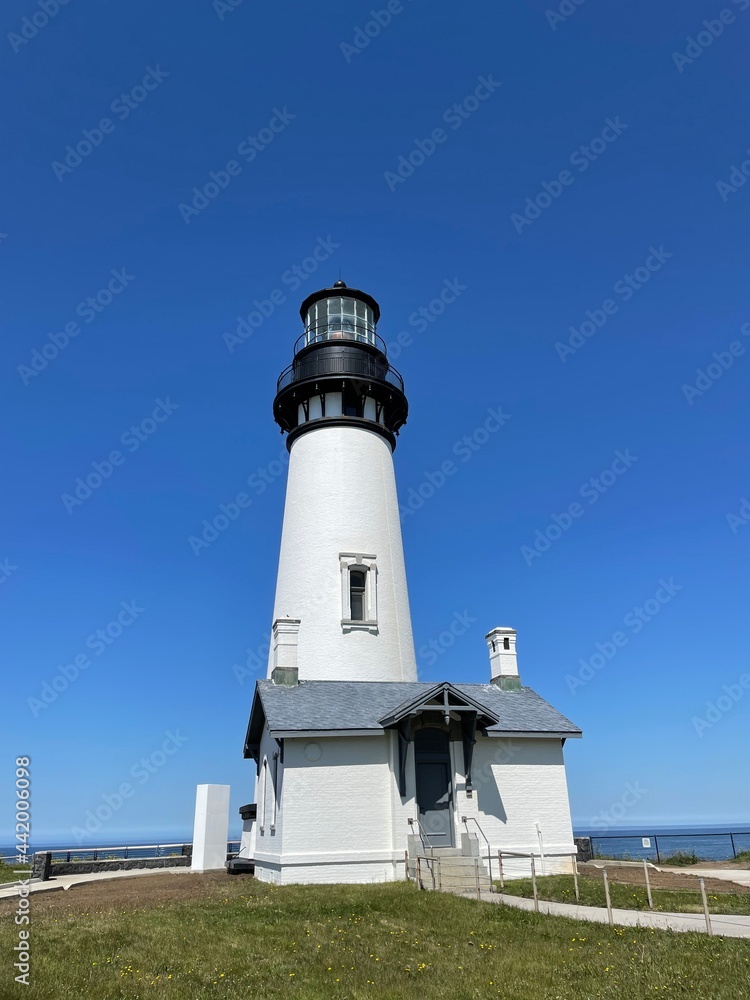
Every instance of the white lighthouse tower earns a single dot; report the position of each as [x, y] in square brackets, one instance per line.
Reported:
[342, 608]
[359, 767]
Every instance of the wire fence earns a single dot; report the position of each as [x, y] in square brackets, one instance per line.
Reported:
[661, 848]
[130, 852]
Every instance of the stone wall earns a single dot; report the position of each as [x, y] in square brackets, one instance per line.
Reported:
[121, 864]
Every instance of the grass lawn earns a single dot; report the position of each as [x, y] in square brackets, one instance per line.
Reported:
[9, 874]
[217, 936]
[559, 889]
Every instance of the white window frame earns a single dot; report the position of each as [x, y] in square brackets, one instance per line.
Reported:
[364, 563]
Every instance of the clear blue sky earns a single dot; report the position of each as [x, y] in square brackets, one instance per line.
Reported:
[198, 82]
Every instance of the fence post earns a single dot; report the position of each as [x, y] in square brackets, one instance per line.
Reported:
[436, 861]
[476, 876]
[709, 931]
[734, 849]
[648, 885]
[606, 895]
[533, 884]
[406, 865]
[500, 866]
[575, 879]
[658, 856]
[419, 873]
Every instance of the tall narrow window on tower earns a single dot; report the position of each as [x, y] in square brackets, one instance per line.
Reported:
[359, 607]
[357, 594]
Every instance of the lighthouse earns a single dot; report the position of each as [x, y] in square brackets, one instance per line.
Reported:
[360, 768]
[342, 607]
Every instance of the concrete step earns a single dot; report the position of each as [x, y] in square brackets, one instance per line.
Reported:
[460, 862]
[460, 885]
[436, 852]
[446, 863]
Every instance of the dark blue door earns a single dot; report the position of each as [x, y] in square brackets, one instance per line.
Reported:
[434, 791]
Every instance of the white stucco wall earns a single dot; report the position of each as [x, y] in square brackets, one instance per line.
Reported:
[341, 498]
[518, 783]
[335, 820]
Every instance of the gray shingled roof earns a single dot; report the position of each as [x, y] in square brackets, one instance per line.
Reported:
[356, 705]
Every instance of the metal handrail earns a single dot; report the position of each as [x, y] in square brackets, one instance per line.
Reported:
[465, 821]
[422, 833]
[358, 333]
[365, 367]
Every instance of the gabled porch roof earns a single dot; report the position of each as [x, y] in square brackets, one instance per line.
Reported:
[444, 698]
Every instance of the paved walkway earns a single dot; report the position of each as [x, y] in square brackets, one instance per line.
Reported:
[727, 926]
[67, 881]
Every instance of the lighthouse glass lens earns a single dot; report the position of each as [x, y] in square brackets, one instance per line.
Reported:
[339, 318]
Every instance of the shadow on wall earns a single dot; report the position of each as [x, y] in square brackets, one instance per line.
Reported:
[489, 800]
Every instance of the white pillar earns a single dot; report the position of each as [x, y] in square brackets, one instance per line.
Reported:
[211, 829]
[342, 511]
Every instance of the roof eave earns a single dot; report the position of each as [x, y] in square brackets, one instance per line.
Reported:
[255, 723]
[558, 734]
[280, 734]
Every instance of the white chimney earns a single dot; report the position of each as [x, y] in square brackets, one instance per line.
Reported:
[501, 643]
[284, 651]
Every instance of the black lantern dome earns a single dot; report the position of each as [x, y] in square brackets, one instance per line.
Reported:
[340, 374]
